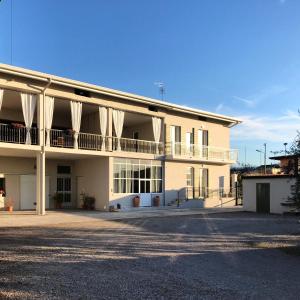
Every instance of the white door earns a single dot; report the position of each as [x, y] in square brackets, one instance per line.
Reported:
[172, 139]
[145, 192]
[64, 189]
[146, 199]
[28, 191]
[200, 143]
[188, 140]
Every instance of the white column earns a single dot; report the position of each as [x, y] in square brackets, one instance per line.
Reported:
[40, 183]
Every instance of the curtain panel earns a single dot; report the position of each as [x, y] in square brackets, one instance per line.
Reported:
[49, 108]
[76, 110]
[28, 107]
[103, 125]
[1, 97]
[118, 118]
[156, 124]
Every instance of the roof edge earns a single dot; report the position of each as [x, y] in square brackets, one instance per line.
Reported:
[18, 71]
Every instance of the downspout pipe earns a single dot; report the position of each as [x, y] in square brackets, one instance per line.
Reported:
[44, 94]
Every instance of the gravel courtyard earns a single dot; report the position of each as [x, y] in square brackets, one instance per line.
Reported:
[216, 256]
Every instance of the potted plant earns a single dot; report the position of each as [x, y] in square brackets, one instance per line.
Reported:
[9, 205]
[58, 200]
[136, 201]
[156, 201]
[89, 203]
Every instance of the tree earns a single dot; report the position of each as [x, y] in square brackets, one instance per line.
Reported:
[295, 188]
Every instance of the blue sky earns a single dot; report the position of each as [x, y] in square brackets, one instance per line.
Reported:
[240, 58]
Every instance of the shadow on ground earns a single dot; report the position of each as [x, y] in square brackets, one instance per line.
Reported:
[202, 256]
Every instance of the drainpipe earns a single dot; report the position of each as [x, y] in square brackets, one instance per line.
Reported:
[44, 94]
[41, 197]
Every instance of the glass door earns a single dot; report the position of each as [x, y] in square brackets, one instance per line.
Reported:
[64, 190]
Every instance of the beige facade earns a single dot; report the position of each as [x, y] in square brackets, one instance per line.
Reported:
[148, 168]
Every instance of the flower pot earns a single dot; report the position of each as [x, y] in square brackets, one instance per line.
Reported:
[156, 201]
[58, 205]
[136, 201]
[9, 208]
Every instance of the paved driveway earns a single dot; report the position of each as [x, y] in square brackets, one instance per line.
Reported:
[218, 256]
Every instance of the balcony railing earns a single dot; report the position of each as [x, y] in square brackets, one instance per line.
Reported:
[16, 133]
[89, 141]
[205, 192]
[142, 146]
[208, 153]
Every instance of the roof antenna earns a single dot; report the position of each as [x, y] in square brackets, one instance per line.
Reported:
[161, 89]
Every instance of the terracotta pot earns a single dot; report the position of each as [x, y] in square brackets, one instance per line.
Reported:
[136, 201]
[156, 201]
[9, 208]
[58, 205]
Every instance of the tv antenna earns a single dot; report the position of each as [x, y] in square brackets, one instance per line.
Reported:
[161, 89]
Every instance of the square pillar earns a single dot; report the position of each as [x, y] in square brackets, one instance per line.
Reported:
[40, 183]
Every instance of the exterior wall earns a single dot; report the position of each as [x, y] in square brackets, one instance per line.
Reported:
[51, 171]
[94, 174]
[14, 167]
[125, 199]
[218, 134]
[175, 179]
[94, 178]
[280, 189]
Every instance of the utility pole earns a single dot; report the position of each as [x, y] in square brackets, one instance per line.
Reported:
[285, 144]
[265, 157]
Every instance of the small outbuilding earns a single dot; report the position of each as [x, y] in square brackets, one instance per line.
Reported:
[267, 193]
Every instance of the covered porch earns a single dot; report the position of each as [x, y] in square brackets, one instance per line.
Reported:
[92, 127]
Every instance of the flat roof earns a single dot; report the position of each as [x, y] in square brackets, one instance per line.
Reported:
[22, 72]
[284, 156]
[261, 176]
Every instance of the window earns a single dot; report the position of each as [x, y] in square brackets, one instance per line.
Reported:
[190, 177]
[63, 170]
[137, 176]
[204, 183]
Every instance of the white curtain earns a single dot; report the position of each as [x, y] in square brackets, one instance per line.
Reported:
[118, 118]
[76, 109]
[103, 124]
[49, 108]
[1, 98]
[156, 124]
[28, 107]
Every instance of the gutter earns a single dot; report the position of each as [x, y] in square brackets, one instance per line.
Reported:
[109, 92]
[44, 94]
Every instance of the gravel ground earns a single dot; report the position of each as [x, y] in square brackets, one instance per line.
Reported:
[217, 256]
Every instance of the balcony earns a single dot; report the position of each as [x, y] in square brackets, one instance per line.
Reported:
[16, 133]
[201, 153]
[96, 142]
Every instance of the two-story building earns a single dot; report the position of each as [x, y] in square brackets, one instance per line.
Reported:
[60, 136]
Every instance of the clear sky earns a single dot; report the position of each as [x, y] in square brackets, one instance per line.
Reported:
[235, 57]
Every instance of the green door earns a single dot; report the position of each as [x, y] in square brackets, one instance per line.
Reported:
[263, 197]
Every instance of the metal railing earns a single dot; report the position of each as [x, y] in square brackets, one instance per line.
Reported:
[89, 141]
[209, 153]
[16, 133]
[61, 138]
[204, 192]
[133, 145]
